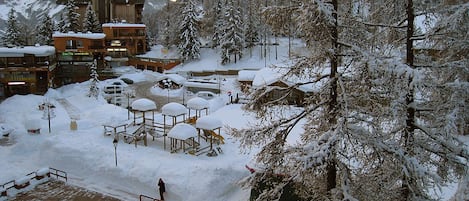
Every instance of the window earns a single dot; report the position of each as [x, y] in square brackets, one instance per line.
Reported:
[79, 43]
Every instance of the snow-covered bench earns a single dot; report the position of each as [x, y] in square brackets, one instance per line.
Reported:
[22, 182]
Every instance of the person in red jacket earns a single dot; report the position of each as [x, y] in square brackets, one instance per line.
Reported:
[161, 188]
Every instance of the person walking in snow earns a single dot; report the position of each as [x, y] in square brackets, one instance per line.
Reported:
[162, 188]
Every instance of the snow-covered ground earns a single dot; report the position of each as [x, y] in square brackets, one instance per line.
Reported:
[88, 156]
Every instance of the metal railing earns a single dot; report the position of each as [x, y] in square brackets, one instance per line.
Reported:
[33, 175]
[145, 197]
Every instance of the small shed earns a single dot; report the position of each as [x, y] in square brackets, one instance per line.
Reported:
[198, 105]
[209, 125]
[182, 136]
[245, 78]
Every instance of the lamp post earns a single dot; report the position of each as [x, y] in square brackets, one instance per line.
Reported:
[167, 85]
[129, 93]
[115, 141]
[48, 111]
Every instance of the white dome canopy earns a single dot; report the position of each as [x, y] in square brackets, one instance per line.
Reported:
[208, 123]
[198, 103]
[143, 105]
[173, 109]
[183, 131]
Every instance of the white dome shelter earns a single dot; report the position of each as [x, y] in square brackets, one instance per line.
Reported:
[177, 112]
[181, 135]
[198, 104]
[143, 105]
[140, 108]
[208, 125]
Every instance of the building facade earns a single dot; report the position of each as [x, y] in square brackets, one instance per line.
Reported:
[124, 40]
[75, 53]
[26, 70]
[107, 11]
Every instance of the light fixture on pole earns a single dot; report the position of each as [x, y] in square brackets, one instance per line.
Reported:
[115, 141]
[129, 93]
[49, 113]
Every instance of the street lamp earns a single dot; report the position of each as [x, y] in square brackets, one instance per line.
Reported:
[129, 93]
[115, 141]
[167, 84]
[48, 111]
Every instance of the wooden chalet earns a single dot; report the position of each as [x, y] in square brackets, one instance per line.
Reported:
[76, 53]
[112, 10]
[26, 70]
[124, 40]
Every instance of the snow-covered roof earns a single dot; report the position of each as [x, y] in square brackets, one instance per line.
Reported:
[183, 131]
[20, 51]
[160, 52]
[198, 103]
[208, 123]
[201, 85]
[174, 77]
[143, 105]
[79, 35]
[265, 77]
[246, 75]
[123, 25]
[173, 109]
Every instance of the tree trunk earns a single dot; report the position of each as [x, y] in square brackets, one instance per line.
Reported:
[410, 127]
[331, 167]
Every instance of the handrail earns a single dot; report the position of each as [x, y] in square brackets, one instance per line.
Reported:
[58, 173]
[148, 197]
[32, 175]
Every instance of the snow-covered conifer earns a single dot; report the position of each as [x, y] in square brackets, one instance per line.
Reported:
[73, 17]
[12, 34]
[232, 40]
[189, 43]
[45, 30]
[91, 22]
[218, 24]
[94, 89]
[60, 26]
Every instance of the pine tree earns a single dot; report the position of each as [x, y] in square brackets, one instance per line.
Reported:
[12, 34]
[252, 32]
[73, 17]
[91, 22]
[94, 89]
[60, 26]
[189, 44]
[219, 22]
[232, 41]
[45, 30]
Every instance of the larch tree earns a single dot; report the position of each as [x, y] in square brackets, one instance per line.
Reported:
[12, 34]
[72, 16]
[94, 89]
[189, 43]
[45, 30]
[369, 129]
[91, 22]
